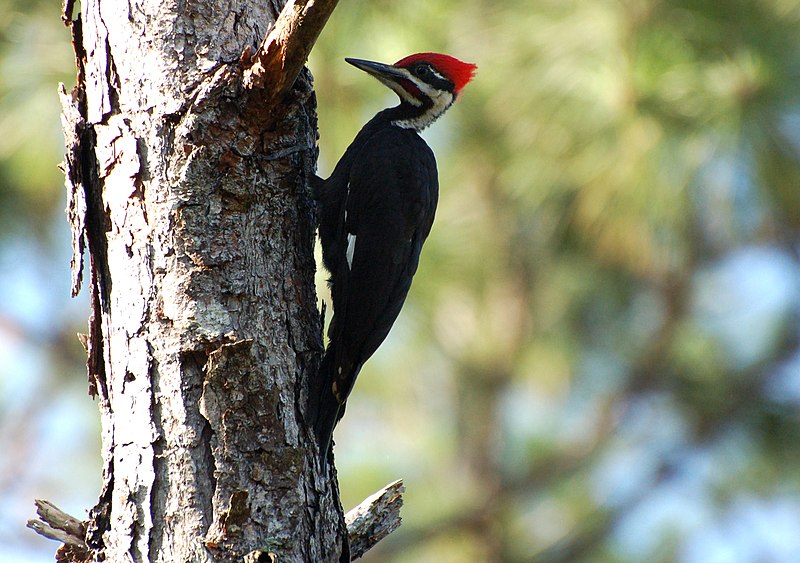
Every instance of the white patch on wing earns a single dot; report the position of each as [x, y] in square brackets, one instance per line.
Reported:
[351, 248]
[346, 196]
[441, 101]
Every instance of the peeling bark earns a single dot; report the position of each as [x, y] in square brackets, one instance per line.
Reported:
[375, 518]
[285, 49]
[190, 193]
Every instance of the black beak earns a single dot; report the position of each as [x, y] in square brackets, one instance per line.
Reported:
[378, 70]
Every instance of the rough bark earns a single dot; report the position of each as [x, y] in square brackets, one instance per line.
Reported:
[189, 191]
[375, 518]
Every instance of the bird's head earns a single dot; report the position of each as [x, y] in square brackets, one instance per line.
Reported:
[427, 83]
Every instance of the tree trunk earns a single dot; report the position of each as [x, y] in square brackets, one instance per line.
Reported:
[190, 191]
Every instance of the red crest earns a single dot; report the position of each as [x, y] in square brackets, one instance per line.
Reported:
[458, 72]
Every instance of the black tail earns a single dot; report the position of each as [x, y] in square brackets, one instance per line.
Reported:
[325, 411]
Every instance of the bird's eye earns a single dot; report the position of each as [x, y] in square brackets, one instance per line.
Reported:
[422, 70]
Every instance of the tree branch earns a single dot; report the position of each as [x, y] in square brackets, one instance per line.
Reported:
[285, 49]
[375, 518]
[367, 524]
[55, 524]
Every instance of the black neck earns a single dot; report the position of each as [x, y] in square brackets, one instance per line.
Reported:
[404, 111]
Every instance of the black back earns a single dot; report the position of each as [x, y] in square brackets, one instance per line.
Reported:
[384, 191]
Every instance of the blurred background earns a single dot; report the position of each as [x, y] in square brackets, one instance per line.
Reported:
[600, 357]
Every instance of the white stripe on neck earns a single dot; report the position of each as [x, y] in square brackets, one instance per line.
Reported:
[441, 101]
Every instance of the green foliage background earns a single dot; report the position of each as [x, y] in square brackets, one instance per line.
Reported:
[600, 357]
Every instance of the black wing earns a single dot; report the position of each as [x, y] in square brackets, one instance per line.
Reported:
[386, 215]
[390, 209]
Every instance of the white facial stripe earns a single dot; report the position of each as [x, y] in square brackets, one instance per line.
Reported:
[441, 101]
[402, 92]
[436, 74]
[351, 248]
[429, 90]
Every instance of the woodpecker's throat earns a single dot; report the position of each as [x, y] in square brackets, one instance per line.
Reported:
[429, 111]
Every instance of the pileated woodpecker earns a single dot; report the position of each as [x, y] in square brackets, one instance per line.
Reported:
[376, 210]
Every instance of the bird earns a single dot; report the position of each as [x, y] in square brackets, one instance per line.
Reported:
[375, 211]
